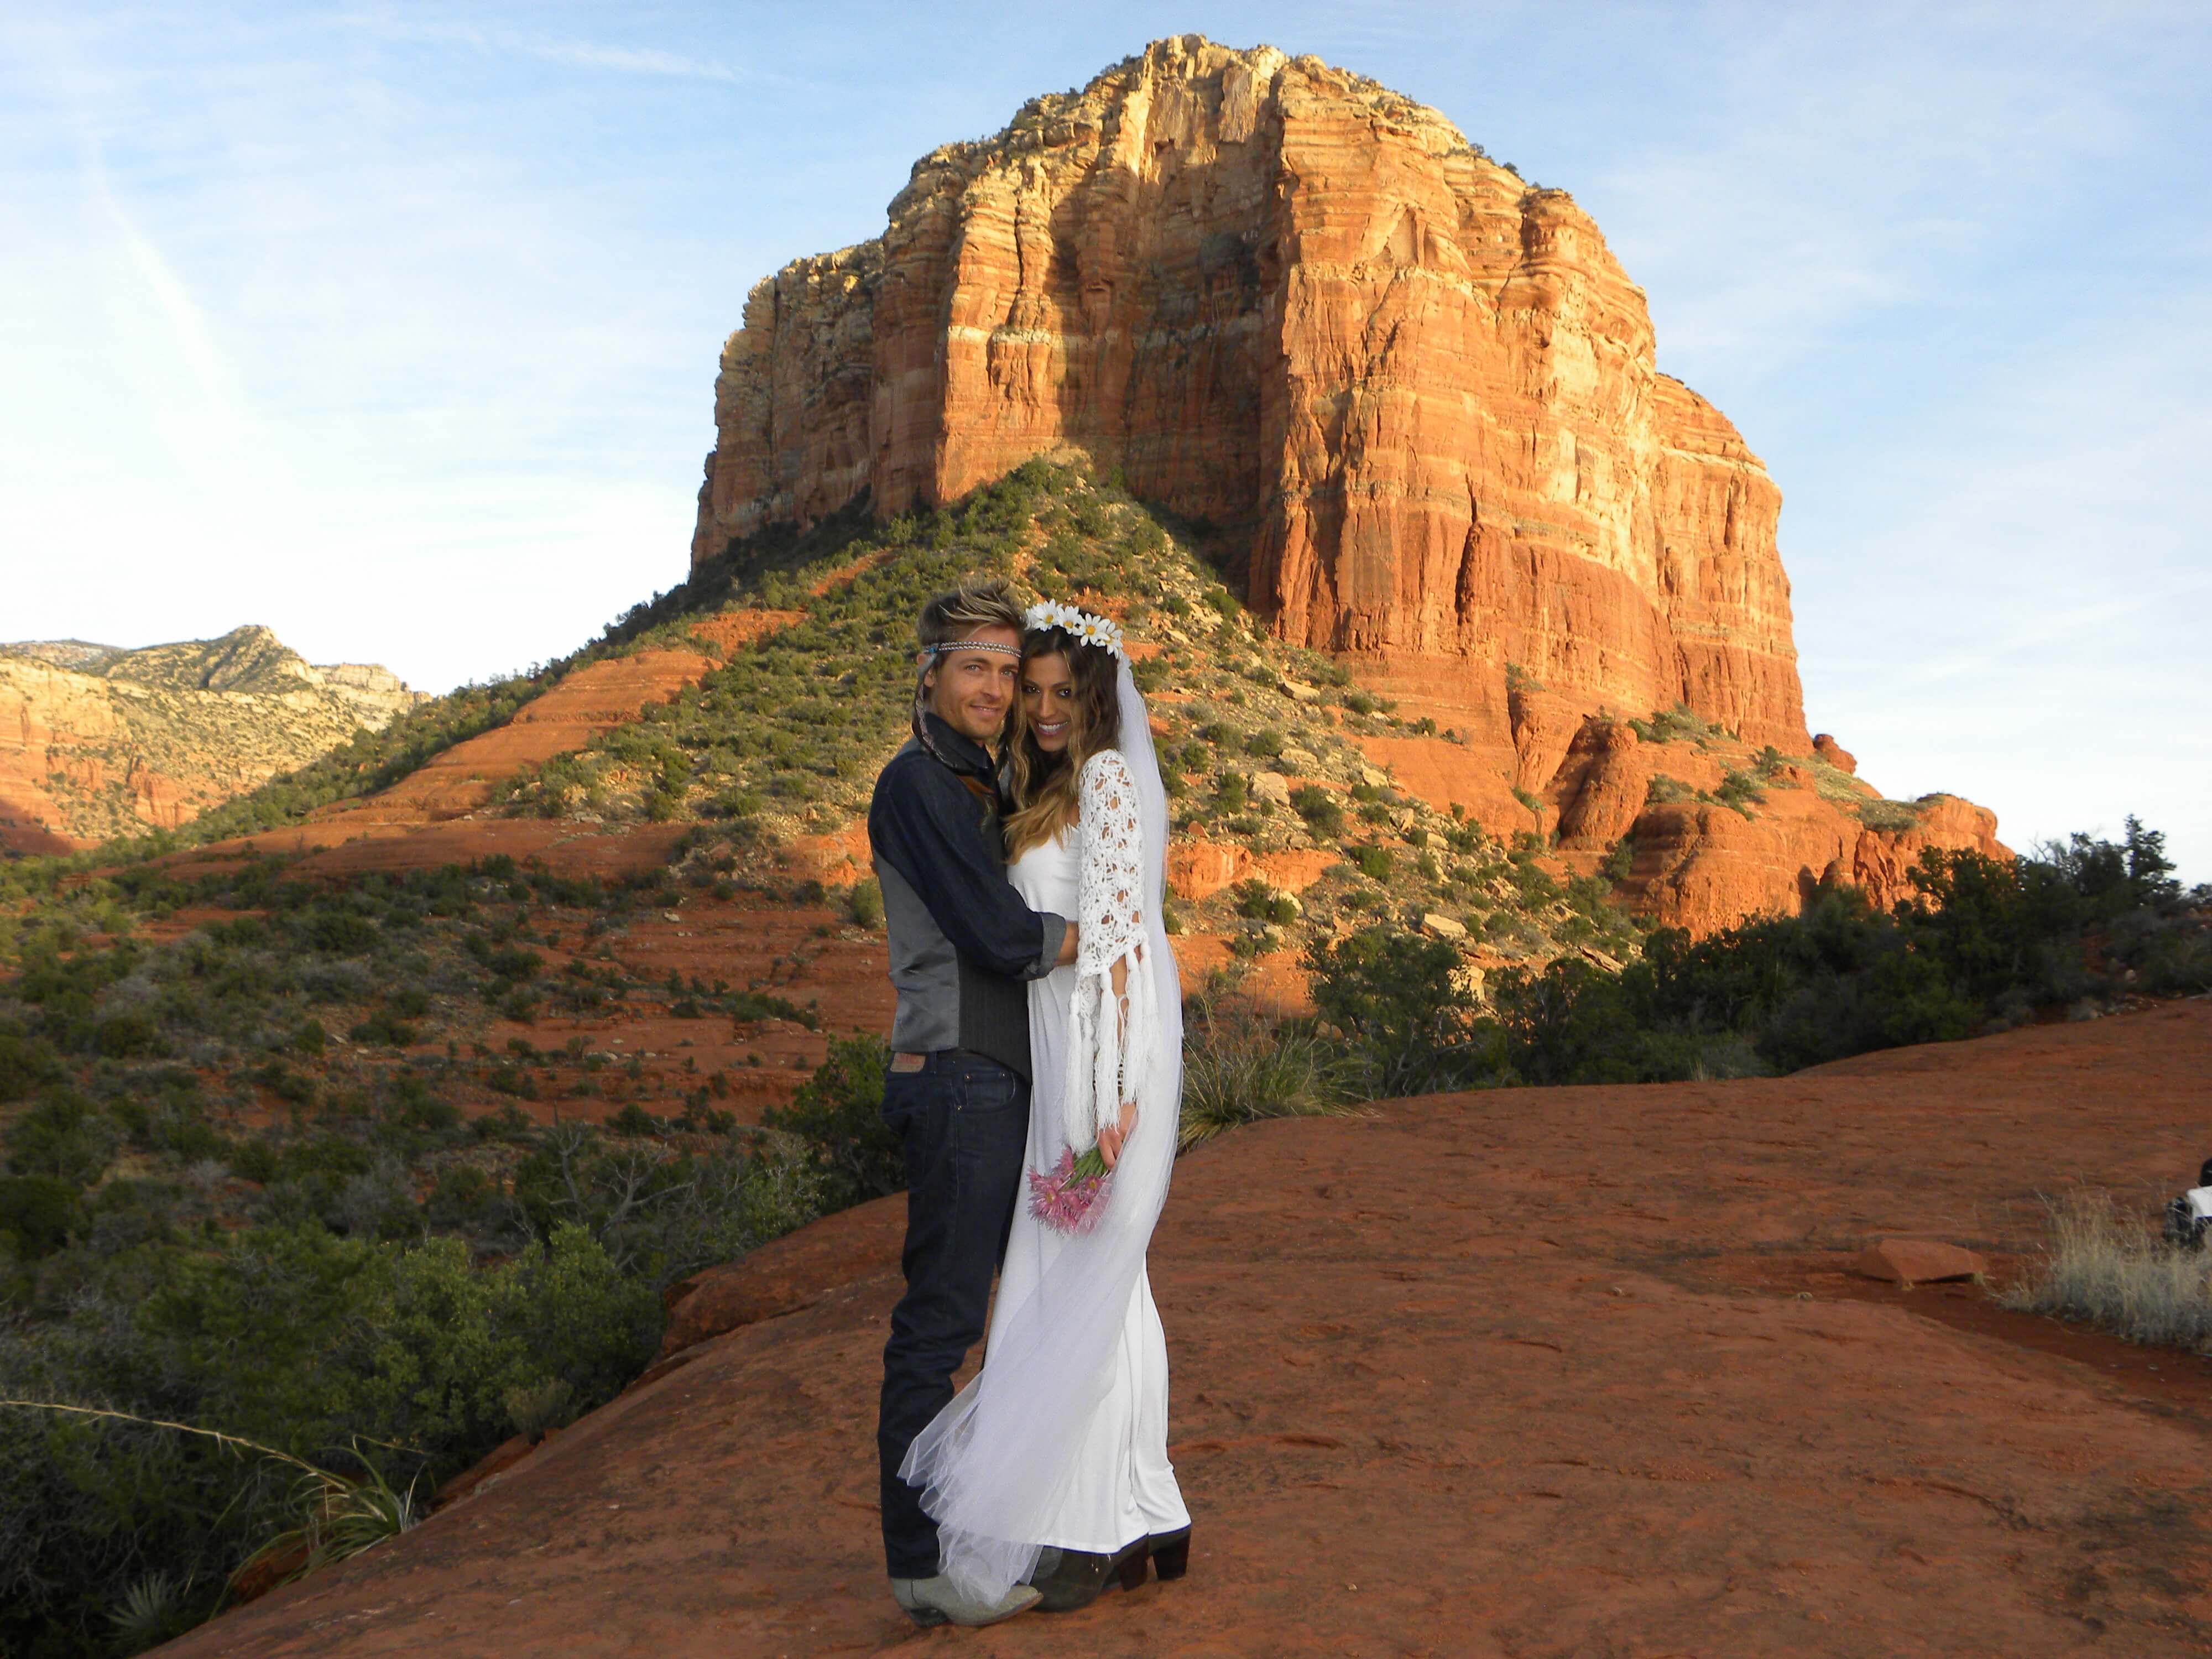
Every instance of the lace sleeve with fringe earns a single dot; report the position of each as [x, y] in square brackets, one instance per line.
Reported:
[1114, 1037]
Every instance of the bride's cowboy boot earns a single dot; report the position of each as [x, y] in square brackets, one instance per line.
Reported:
[1068, 1579]
[935, 1601]
[1170, 1552]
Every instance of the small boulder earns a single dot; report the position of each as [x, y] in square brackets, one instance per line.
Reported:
[1917, 1261]
[1443, 926]
[1834, 753]
[1272, 787]
[794, 1272]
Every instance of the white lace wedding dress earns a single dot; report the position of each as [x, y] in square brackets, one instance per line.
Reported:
[1061, 1438]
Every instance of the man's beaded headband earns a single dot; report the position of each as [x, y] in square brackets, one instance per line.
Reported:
[971, 645]
[1088, 629]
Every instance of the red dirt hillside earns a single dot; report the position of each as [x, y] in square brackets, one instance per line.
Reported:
[1575, 1371]
[427, 819]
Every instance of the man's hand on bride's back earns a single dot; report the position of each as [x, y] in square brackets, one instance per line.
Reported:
[1113, 1136]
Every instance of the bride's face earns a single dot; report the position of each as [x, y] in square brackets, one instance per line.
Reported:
[1048, 701]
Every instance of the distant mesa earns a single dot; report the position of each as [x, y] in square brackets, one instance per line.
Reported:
[101, 740]
[1415, 394]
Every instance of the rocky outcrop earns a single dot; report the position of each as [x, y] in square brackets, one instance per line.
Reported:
[97, 741]
[1279, 296]
[1419, 396]
[1704, 865]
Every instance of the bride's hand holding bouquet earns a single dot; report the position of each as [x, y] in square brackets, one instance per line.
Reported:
[1071, 1197]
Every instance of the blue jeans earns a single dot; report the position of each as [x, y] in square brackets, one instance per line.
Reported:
[965, 1123]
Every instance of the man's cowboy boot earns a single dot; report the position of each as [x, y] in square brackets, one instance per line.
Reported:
[1069, 1579]
[935, 1601]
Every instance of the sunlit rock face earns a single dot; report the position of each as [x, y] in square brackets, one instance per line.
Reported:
[1418, 394]
[1281, 297]
[96, 741]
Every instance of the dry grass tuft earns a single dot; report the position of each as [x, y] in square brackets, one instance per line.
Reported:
[2107, 1266]
[1240, 1069]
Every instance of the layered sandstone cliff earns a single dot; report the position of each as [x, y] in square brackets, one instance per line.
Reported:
[1281, 297]
[1419, 395]
[96, 741]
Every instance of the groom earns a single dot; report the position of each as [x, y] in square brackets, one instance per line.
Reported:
[957, 1092]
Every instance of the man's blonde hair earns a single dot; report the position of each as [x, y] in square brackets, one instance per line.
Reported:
[979, 603]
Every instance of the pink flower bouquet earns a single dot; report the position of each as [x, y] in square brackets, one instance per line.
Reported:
[1071, 1196]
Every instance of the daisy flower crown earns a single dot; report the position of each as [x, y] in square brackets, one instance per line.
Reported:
[1088, 629]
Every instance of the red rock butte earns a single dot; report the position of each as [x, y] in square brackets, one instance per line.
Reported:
[1282, 298]
[1418, 397]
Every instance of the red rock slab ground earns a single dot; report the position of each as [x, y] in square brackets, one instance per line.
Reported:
[1472, 1375]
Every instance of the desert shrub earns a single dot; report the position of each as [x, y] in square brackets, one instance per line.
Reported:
[65, 1135]
[1620, 861]
[386, 1027]
[837, 1114]
[1840, 979]
[534, 1408]
[658, 1213]
[2107, 1266]
[1373, 860]
[1675, 725]
[1320, 807]
[255, 1160]
[1258, 901]
[1982, 943]
[1264, 745]
[37, 1214]
[292, 1338]
[1409, 1020]
[26, 1063]
[1891, 815]
[746, 1006]
[1740, 790]
[865, 903]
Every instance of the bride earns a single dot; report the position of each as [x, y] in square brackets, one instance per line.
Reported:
[1051, 1466]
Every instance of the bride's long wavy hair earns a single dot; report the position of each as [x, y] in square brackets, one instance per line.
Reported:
[1041, 786]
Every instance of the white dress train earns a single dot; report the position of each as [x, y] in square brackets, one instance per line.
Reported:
[1061, 1437]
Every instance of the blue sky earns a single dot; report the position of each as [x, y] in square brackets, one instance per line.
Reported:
[394, 327]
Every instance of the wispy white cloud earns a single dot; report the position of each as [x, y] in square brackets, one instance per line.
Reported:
[395, 27]
[188, 388]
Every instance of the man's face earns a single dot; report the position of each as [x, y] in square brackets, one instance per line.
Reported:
[971, 690]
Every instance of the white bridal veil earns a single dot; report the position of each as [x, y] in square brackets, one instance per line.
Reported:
[996, 1464]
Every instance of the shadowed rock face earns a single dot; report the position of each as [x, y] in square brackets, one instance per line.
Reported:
[1279, 296]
